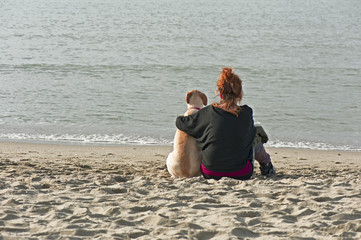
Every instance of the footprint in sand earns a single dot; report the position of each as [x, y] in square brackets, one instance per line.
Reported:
[205, 234]
[243, 233]
[157, 220]
[188, 225]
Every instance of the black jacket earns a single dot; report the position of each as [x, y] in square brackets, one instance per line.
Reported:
[225, 139]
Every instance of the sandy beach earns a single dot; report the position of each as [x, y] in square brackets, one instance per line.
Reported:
[116, 192]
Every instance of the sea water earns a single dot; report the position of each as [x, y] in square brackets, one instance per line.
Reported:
[117, 71]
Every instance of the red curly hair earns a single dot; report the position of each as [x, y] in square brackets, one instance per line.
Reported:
[230, 89]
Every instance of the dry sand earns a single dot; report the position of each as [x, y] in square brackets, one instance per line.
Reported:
[85, 192]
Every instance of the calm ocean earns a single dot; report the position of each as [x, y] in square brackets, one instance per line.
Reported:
[117, 71]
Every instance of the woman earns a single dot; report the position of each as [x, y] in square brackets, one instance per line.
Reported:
[225, 132]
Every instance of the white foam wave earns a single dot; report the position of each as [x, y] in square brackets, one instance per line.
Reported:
[118, 139]
[312, 146]
[121, 139]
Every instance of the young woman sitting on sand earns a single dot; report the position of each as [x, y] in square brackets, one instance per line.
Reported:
[225, 132]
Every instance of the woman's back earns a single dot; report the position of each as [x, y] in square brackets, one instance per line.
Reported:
[225, 139]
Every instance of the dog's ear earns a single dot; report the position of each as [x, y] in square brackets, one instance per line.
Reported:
[204, 99]
[189, 95]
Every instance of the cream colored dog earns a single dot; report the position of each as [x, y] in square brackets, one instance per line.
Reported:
[185, 160]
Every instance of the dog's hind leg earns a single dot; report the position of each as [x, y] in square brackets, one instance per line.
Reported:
[170, 164]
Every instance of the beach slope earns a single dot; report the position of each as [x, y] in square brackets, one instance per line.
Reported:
[100, 192]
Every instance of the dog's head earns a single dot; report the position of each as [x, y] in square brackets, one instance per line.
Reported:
[196, 98]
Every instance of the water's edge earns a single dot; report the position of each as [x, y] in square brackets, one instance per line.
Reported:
[166, 142]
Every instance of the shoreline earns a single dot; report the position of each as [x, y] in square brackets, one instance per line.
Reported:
[125, 192]
[101, 144]
[149, 141]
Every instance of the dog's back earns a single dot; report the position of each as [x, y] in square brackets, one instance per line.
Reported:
[186, 157]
